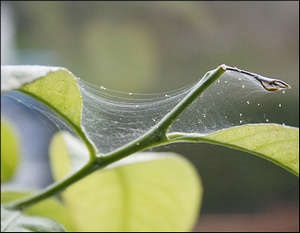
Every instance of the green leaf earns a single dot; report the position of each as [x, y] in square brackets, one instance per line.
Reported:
[14, 221]
[9, 151]
[55, 86]
[71, 153]
[49, 208]
[146, 192]
[276, 143]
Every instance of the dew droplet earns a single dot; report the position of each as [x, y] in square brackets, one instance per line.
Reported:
[240, 79]
[241, 121]
[102, 87]
[166, 95]
[154, 119]
[136, 106]
[241, 114]
[279, 105]
[283, 91]
[225, 81]
[243, 86]
[248, 102]
[130, 93]
[226, 117]
[267, 120]
[204, 115]
[258, 104]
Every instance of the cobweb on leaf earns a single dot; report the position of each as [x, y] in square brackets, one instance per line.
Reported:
[112, 119]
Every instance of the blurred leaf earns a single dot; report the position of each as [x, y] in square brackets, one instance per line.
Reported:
[49, 208]
[9, 151]
[14, 221]
[55, 86]
[161, 193]
[71, 153]
[276, 143]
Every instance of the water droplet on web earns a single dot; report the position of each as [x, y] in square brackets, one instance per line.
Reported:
[267, 120]
[102, 87]
[283, 91]
[136, 106]
[130, 93]
[240, 79]
[279, 105]
[166, 95]
[204, 115]
[153, 119]
[225, 81]
[241, 114]
[258, 104]
[241, 121]
[225, 117]
[243, 86]
[248, 102]
[218, 81]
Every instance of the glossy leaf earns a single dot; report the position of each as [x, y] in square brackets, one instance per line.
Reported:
[277, 143]
[15, 221]
[49, 208]
[9, 151]
[161, 192]
[55, 86]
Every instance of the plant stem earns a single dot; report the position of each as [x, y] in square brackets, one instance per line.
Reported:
[209, 78]
[52, 189]
[154, 137]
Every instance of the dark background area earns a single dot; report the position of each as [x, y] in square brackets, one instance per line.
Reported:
[155, 47]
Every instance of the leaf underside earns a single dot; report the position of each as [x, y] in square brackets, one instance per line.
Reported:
[276, 143]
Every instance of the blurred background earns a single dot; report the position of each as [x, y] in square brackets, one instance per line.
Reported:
[155, 47]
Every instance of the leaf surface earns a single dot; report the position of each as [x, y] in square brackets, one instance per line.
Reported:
[276, 143]
[9, 151]
[147, 192]
[55, 86]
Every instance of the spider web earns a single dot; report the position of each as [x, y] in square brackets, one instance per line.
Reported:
[112, 119]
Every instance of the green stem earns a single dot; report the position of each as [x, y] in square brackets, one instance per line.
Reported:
[154, 137]
[209, 78]
[52, 189]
